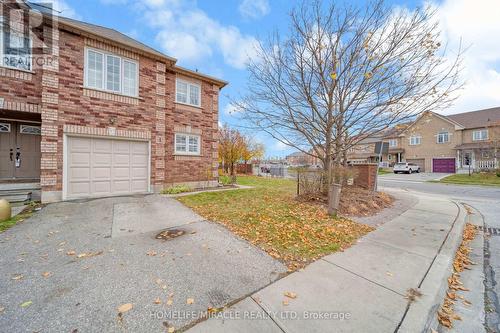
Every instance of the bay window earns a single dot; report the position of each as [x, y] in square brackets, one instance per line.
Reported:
[112, 73]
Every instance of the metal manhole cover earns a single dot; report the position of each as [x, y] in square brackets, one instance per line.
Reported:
[170, 234]
[491, 231]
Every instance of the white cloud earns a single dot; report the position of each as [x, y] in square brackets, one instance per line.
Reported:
[189, 34]
[476, 24]
[280, 146]
[254, 9]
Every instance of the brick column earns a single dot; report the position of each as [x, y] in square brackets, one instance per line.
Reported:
[51, 143]
[215, 136]
[158, 145]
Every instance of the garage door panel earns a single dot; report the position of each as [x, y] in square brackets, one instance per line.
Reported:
[80, 159]
[140, 148]
[81, 144]
[101, 187]
[104, 167]
[79, 188]
[121, 159]
[121, 173]
[138, 185]
[102, 146]
[79, 174]
[443, 165]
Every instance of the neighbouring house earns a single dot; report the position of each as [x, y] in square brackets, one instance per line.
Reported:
[86, 111]
[299, 159]
[364, 151]
[439, 143]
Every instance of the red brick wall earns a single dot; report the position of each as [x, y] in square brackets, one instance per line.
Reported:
[366, 175]
[155, 114]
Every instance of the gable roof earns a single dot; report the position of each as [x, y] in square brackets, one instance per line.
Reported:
[477, 119]
[111, 34]
[108, 34]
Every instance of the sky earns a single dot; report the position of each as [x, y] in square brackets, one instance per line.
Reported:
[217, 37]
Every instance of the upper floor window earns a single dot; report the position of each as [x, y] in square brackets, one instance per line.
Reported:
[393, 143]
[187, 93]
[480, 135]
[187, 144]
[15, 48]
[109, 72]
[415, 140]
[443, 137]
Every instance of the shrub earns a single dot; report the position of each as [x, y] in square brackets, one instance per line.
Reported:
[176, 189]
[497, 172]
[225, 180]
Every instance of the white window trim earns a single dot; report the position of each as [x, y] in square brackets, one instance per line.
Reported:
[6, 126]
[189, 84]
[187, 152]
[480, 131]
[448, 134]
[415, 137]
[2, 51]
[104, 76]
[25, 127]
[395, 141]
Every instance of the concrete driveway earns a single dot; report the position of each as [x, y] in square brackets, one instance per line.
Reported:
[117, 260]
[414, 177]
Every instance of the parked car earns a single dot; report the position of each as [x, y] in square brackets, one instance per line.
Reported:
[404, 167]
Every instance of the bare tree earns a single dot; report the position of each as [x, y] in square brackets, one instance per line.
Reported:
[342, 74]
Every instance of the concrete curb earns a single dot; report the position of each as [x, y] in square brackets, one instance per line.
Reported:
[236, 187]
[421, 315]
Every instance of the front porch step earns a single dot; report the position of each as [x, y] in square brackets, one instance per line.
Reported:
[14, 196]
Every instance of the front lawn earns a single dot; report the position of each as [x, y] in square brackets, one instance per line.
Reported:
[474, 179]
[384, 171]
[268, 216]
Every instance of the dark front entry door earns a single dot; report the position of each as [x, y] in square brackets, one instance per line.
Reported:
[19, 151]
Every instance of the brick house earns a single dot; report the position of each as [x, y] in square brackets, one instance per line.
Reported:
[440, 143]
[99, 114]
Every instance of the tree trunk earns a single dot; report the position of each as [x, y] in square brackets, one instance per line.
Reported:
[334, 199]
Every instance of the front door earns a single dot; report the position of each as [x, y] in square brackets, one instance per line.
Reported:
[19, 151]
[467, 159]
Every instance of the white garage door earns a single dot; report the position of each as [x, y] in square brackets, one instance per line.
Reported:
[103, 167]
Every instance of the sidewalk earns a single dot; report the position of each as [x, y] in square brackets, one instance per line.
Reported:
[363, 288]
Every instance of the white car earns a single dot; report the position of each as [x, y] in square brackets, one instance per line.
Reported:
[404, 167]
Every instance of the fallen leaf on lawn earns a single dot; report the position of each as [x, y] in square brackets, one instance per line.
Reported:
[26, 304]
[18, 277]
[290, 294]
[62, 243]
[190, 301]
[285, 302]
[159, 281]
[151, 253]
[71, 253]
[125, 307]
[164, 287]
[85, 267]
[46, 274]
[389, 273]
[2, 309]
[171, 329]
[466, 302]
[170, 301]
[157, 301]
[60, 250]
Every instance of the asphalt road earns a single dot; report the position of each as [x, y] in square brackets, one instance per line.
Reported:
[486, 200]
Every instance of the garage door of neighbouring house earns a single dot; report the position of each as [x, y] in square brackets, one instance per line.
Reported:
[418, 161]
[99, 167]
[445, 165]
